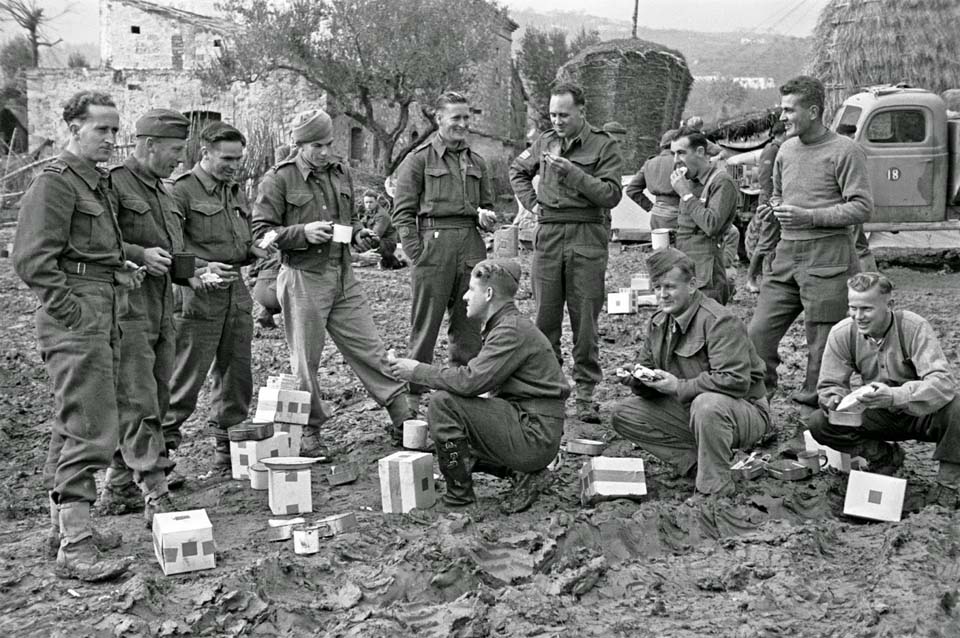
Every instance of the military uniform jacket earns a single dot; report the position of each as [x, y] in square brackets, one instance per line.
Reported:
[148, 218]
[292, 195]
[706, 347]
[702, 223]
[435, 181]
[582, 196]
[67, 217]
[216, 218]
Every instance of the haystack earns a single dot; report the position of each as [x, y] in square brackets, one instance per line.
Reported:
[640, 84]
[859, 43]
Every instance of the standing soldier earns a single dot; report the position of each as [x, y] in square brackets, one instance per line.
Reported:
[443, 191]
[708, 205]
[152, 233]
[820, 194]
[301, 199]
[580, 168]
[68, 250]
[214, 321]
[654, 176]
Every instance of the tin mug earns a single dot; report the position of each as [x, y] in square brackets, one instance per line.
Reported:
[184, 265]
[810, 459]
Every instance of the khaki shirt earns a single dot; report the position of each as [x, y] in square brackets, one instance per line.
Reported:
[586, 192]
[516, 363]
[291, 195]
[216, 218]
[706, 347]
[918, 389]
[148, 214]
[68, 213]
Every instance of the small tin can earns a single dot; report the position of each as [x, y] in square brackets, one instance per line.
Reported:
[259, 476]
[787, 470]
[306, 540]
[810, 459]
[250, 431]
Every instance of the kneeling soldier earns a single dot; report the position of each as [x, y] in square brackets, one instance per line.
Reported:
[708, 396]
[519, 427]
[914, 393]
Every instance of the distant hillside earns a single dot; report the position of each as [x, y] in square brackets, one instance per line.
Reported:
[728, 54]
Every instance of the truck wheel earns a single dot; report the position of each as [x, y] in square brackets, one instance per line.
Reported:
[752, 236]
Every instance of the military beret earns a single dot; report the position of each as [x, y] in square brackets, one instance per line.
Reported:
[162, 123]
[313, 126]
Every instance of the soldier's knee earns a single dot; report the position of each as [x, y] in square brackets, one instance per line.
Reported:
[710, 405]
[816, 422]
[441, 403]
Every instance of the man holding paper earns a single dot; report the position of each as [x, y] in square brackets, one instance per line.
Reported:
[307, 202]
[698, 383]
[444, 192]
[908, 393]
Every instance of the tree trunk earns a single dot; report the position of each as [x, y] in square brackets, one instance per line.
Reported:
[636, 12]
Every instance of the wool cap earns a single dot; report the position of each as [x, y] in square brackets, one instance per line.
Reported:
[504, 274]
[615, 128]
[162, 123]
[662, 261]
[313, 126]
[668, 137]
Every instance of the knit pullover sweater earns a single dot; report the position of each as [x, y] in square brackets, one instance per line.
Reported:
[828, 178]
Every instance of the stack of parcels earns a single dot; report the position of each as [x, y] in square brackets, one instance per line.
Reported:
[251, 442]
[285, 406]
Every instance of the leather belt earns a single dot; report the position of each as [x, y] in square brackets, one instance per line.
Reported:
[88, 270]
[453, 221]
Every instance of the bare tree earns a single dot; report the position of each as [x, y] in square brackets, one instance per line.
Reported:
[34, 19]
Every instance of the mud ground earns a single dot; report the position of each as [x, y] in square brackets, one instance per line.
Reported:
[778, 560]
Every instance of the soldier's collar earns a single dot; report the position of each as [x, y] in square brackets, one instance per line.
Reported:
[506, 309]
[584, 127]
[305, 169]
[135, 167]
[86, 169]
[684, 318]
[209, 182]
[441, 147]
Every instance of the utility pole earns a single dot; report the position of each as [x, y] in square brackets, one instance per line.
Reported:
[636, 11]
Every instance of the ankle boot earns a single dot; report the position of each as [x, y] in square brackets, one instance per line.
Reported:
[118, 497]
[103, 541]
[456, 465]
[400, 409]
[78, 556]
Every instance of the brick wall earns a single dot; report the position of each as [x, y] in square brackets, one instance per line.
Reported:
[153, 47]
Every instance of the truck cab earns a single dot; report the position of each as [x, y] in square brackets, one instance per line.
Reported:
[911, 149]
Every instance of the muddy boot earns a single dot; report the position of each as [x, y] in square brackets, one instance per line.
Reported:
[401, 409]
[117, 496]
[526, 491]
[456, 465]
[103, 541]
[587, 411]
[78, 556]
[311, 446]
[221, 455]
[159, 502]
[882, 457]
[946, 491]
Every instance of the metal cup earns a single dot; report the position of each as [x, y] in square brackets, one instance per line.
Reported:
[184, 265]
[810, 459]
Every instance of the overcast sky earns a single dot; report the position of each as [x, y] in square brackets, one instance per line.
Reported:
[790, 17]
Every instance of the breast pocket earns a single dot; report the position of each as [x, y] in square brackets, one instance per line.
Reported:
[135, 223]
[296, 209]
[692, 356]
[436, 184]
[92, 230]
[586, 163]
[208, 223]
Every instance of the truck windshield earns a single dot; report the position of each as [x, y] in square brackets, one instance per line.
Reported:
[845, 121]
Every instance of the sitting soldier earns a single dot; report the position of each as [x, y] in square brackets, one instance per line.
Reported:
[913, 393]
[704, 396]
[519, 427]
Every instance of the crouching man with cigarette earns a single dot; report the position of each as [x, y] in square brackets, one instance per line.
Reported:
[517, 430]
[703, 395]
[911, 395]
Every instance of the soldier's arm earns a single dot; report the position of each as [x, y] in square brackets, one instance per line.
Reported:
[648, 361]
[487, 192]
[854, 185]
[268, 215]
[603, 187]
[381, 223]
[765, 173]
[836, 367]
[776, 179]
[43, 230]
[715, 215]
[500, 356]
[728, 352]
[522, 171]
[635, 190]
[406, 203]
[936, 387]
[355, 219]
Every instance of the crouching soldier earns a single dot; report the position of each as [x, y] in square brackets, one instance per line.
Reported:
[706, 396]
[913, 392]
[519, 427]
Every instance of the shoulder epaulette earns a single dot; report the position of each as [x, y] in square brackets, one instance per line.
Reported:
[184, 176]
[56, 166]
[279, 165]
[425, 144]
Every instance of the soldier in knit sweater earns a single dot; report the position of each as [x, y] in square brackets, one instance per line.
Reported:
[820, 195]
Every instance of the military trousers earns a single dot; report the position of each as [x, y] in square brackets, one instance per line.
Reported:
[701, 434]
[265, 291]
[568, 269]
[148, 348]
[214, 334]
[83, 363]
[439, 279]
[331, 302]
[523, 436]
[941, 427]
[808, 276]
